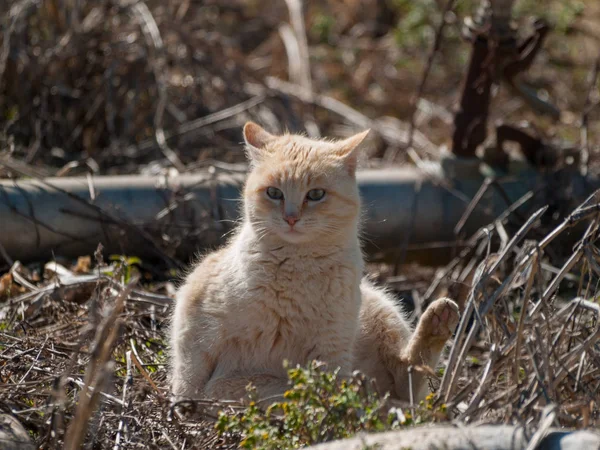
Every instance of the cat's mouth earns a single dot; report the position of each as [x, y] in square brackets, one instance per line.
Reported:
[293, 235]
[292, 228]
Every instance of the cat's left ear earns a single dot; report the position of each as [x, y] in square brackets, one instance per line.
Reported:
[256, 139]
[349, 149]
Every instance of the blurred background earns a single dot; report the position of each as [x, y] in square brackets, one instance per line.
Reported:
[96, 85]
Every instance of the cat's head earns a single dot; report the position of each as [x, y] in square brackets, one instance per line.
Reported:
[301, 190]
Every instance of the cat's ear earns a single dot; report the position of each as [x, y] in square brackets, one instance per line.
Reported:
[349, 149]
[256, 139]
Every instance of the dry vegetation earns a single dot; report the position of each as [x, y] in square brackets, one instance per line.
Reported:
[134, 87]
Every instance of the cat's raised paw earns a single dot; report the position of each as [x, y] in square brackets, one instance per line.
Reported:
[440, 319]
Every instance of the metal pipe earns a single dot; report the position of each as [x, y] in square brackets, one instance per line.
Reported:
[177, 216]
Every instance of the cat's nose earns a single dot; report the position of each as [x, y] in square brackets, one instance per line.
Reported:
[291, 220]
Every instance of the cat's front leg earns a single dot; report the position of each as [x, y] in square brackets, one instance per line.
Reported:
[193, 351]
[190, 375]
[335, 354]
[191, 368]
[269, 388]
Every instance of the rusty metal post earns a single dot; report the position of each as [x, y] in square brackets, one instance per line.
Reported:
[496, 56]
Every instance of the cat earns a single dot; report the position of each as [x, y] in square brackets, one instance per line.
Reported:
[289, 285]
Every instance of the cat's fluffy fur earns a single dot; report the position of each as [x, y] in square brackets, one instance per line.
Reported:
[279, 292]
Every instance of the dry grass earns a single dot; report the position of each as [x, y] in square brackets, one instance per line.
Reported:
[83, 358]
[83, 354]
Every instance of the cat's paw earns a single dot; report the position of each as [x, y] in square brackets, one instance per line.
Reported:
[440, 319]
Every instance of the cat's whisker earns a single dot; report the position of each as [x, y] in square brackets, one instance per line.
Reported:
[261, 233]
[228, 233]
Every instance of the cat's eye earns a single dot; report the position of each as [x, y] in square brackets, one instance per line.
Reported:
[274, 193]
[314, 195]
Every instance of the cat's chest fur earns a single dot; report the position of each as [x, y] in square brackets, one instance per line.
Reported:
[293, 305]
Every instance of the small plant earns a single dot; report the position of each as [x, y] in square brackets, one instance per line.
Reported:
[318, 407]
[127, 266]
[414, 26]
[322, 27]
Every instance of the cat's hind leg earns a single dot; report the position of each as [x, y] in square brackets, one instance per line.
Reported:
[387, 346]
[384, 333]
[433, 330]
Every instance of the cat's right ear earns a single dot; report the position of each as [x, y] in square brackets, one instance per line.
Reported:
[349, 149]
[256, 139]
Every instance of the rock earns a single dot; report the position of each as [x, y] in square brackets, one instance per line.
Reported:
[445, 437]
[12, 434]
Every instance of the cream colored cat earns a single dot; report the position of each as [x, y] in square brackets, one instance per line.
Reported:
[288, 285]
